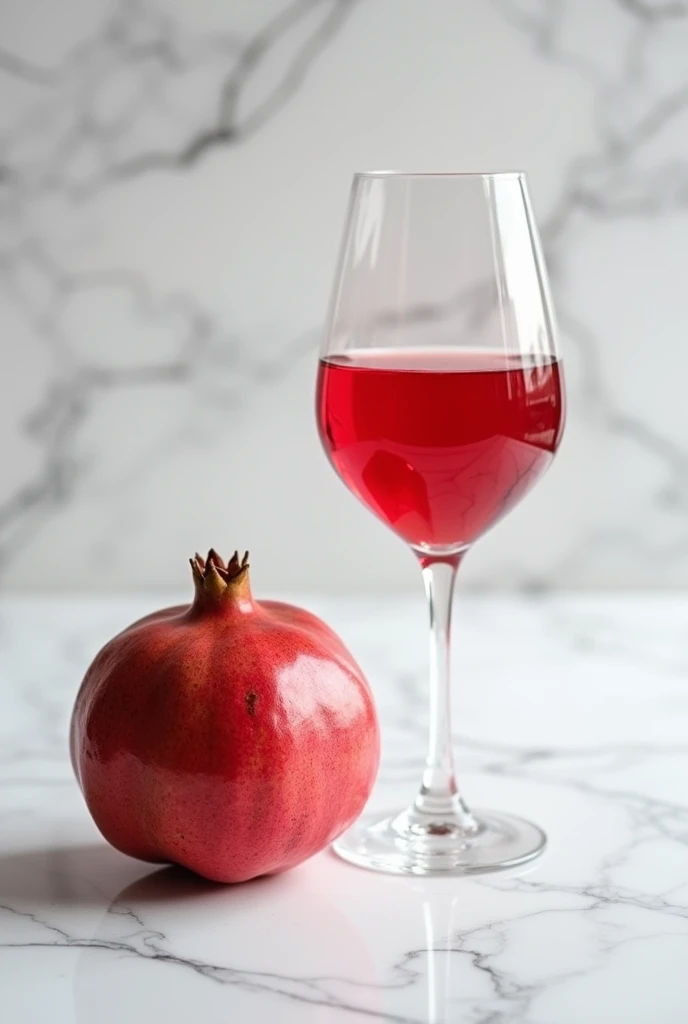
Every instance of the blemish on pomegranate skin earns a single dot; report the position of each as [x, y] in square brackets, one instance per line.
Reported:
[250, 700]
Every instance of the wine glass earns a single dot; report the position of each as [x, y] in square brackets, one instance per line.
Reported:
[440, 402]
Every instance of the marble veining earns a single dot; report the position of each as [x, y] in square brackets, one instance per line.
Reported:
[576, 718]
[172, 184]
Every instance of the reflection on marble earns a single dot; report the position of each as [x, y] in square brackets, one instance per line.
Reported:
[570, 711]
[172, 182]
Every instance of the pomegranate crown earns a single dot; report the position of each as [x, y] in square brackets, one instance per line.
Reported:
[215, 578]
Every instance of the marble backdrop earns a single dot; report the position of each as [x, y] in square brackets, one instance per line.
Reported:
[173, 178]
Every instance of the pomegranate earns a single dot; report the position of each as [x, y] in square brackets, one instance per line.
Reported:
[234, 737]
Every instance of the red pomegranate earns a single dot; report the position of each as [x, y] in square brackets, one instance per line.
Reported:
[234, 737]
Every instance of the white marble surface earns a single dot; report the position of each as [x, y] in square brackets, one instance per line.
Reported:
[573, 711]
[173, 178]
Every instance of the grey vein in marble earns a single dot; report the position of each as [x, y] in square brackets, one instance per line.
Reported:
[608, 183]
[576, 719]
[148, 94]
[156, 53]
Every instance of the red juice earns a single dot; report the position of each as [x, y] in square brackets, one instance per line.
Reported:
[439, 443]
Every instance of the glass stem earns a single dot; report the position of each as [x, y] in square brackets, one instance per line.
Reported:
[439, 795]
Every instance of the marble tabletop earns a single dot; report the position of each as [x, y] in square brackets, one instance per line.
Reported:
[570, 710]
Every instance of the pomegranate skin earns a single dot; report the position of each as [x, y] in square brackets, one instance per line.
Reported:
[234, 737]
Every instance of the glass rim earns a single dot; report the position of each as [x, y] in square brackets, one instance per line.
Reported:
[439, 174]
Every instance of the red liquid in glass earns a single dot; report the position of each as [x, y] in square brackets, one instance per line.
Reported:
[439, 443]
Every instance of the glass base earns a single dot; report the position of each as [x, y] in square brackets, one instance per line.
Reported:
[409, 844]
